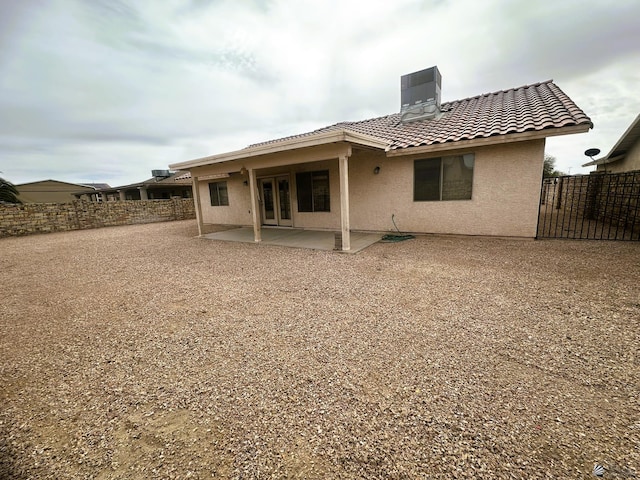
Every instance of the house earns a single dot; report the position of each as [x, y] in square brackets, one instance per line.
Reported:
[471, 167]
[51, 191]
[163, 185]
[625, 154]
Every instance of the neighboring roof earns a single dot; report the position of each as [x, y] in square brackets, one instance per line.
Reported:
[54, 181]
[176, 178]
[541, 107]
[48, 191]
[622, 146]
[97, 185]
[182, 175]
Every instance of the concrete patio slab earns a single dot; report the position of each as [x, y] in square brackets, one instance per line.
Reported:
[295, 237]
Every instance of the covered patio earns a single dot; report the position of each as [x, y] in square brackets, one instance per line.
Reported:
[285, 184]
[296, 237]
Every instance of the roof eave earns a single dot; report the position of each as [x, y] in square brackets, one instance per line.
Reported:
[50, 180]
[323, 138]
[604, 160]
[628, 138]
[493, 140]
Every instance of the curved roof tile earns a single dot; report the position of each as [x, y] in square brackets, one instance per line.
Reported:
[535, 107]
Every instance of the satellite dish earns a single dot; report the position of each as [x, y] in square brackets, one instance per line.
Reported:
[592, 152]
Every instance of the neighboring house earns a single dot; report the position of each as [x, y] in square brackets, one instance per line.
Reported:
[625, 154]
[51, 191]
[162, 186]
[471, 167]
[97, 186]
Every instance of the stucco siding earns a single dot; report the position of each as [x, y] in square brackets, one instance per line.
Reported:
[321, 220]
[630, 163]
[50, 191]
[506, 189]
[238, 212]
[633, 157]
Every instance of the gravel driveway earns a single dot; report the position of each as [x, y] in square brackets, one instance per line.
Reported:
[143, 352]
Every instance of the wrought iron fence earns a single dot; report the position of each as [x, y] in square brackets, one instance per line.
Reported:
[596, 206]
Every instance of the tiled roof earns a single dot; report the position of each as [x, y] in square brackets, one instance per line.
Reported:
[528, 108]
[182, 176]
[176, 177]
[179, 178]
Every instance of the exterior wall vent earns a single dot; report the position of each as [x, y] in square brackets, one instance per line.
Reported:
[420, 95]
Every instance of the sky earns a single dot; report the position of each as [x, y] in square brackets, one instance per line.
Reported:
[104, 91]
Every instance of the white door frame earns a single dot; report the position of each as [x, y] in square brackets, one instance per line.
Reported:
[276, 200]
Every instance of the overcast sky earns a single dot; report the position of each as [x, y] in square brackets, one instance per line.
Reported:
[107, 90]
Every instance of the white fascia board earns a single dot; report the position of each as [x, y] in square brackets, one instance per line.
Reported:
[365, 140]
[629, 137]
[323, 138]
[604, 161]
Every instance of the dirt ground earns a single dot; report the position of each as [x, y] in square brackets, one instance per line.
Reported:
[144, 352]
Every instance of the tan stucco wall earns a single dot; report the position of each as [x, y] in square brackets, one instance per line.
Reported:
[323, 220]
[629, 163]
[506, 191]
[633, 157]
[238, 212]
[50, 191]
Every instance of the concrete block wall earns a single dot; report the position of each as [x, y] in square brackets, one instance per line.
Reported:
[618, 199]
[33, 218]
[612, 198]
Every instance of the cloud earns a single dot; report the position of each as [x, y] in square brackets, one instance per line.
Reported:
[570, 37]
[144, 84]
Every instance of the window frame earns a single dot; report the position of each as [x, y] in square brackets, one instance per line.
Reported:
[215, 193]
[306, 196]
[441, 176]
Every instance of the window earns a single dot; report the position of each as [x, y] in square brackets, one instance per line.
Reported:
[313, 191]
[445, 178]
[219, 195]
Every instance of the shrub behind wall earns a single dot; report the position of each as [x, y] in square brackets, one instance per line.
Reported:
[32, 218]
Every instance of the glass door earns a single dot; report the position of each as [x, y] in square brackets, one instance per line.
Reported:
[267, 201]
[284, 201]
[275, 200]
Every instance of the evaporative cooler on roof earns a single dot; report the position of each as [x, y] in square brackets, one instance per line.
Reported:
[420, 94]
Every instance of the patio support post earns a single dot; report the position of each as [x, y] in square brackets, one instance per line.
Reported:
[343, 161]
[122, 195]
[255, 214]
[195, 186]
[143, 193]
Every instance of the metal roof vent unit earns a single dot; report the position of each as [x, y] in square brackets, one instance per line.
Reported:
[160, 174]
[420, 95]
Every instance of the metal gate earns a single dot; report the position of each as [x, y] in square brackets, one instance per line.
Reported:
[600, 206]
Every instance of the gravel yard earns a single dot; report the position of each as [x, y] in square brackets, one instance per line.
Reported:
[143, 352]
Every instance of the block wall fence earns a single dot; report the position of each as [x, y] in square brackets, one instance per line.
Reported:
[33, 218]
